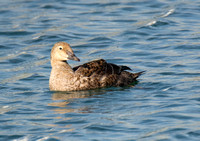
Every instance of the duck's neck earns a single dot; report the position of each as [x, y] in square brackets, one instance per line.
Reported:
[61, 75]
[61, 66]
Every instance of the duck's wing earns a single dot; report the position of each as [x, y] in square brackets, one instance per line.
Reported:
[99, 67]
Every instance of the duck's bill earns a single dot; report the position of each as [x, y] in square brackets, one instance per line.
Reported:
[75, 58]
[72, 56]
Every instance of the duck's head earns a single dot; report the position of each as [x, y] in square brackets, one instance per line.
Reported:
[62, 51]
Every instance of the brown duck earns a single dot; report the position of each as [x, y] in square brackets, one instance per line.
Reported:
[91, 75]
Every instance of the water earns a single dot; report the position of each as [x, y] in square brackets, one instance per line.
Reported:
[161, 37]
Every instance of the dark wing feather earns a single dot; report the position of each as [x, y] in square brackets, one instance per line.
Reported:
[117, 69]
[100, 67]
[87, 69]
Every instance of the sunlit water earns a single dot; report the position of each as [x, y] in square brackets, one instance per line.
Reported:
[160, 36]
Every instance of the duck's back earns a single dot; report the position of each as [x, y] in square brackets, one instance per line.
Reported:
[103, 74]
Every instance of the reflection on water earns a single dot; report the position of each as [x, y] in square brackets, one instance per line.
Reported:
[61, 103]
[62, 99]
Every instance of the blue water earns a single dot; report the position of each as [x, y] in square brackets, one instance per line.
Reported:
[160, 36]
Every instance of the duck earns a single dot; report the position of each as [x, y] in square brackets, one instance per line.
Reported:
[92, 75]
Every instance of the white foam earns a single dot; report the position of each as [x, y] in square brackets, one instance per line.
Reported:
[5, 107]
[168, 13]
[152, 23]
[24, 139]
[44, 138]
[166, 89]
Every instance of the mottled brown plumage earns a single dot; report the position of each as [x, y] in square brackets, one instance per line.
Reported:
[100, 67]
[91, 75]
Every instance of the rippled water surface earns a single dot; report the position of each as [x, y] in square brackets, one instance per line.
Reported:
[160, 36]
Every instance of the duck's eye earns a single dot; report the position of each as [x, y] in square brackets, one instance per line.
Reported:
[60, 48]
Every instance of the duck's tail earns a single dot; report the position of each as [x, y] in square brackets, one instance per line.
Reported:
[136, 75]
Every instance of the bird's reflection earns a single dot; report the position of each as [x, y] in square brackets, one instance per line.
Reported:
[67, 107]
[63, 99]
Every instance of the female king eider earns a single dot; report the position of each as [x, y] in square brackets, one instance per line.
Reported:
[91, 75]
